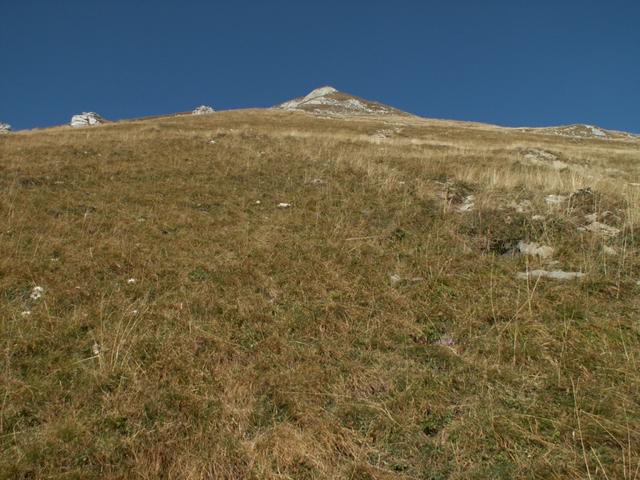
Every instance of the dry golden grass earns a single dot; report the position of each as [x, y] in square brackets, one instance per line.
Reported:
[260, 342]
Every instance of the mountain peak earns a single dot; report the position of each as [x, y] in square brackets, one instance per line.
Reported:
[329, 101]
[320, 92]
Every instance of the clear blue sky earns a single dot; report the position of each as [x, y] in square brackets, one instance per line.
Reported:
[510, 62]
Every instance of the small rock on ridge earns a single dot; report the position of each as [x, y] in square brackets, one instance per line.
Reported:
[203, 110]
[86, 119]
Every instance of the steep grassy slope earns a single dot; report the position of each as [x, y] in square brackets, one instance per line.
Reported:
[190, 328]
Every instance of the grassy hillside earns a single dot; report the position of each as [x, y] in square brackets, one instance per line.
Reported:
[189, 328]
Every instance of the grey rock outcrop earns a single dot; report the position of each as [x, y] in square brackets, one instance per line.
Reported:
[86, 119]
[203, 110]
[534, 249]
[554, 275]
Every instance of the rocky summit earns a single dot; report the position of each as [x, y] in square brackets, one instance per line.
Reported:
[329, 101]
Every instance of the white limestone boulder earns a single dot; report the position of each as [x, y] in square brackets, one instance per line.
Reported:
[86, 119]
[203, 110]
[5, 128]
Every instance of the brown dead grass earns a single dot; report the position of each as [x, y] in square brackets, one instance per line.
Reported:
[259, 342]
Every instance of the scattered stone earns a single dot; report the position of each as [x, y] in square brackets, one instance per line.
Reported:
[284, 205]
[5, 128]
[538, 153]
[522, 206]
[542, 158]
[595, 223]
[318, 181]
[607, 250]
[212, 142]
[446, 341]
[535, 250]
[600, 229]
[96, 349]
[382, 135]
[131, 281]
[591, 217]
[538, 218]
[36, 293]
[468, 204]
[396, 279]
[555, 199]
[583, 198]
[605, 216]
[554, 275]
[258, 202]
[457, 195]
[86, 119]
[575, 131]
[596, 132]
[203, 110]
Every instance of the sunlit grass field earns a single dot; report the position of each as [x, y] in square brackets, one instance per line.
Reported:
[189, 326]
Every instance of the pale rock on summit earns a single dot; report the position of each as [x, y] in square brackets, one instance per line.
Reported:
[318, 93]
[203, 110]
[86, 119]
[329, 101]
[5, 128]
